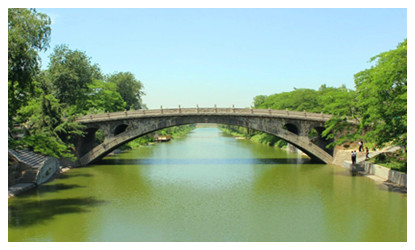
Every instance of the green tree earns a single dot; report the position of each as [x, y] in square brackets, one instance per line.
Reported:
[130, 89]
[333, 100]
[70, 72]
[259, 100]
[103, 96]
[28, 34]
[298, 99]
[382, 98]
[48, 128]
[380, 103]
[330, 100]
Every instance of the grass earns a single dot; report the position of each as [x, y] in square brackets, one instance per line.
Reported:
[262, 138]
[394, 161]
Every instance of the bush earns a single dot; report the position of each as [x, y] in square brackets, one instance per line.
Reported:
[395, 161]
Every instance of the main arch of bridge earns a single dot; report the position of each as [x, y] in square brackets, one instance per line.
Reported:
[122, 127]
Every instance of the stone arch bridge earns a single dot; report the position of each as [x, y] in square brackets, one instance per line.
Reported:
[122, 127]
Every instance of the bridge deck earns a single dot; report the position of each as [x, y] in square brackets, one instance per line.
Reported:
[203, 111]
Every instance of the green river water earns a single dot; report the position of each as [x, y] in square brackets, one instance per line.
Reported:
[208, 187]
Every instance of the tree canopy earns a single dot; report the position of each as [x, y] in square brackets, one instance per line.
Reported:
[70, 72]
[45, 103]
[329, 100]
[382, 97]
[28, 34]
[48, 129]
[129, 88]
[103, 96]
[378, 103]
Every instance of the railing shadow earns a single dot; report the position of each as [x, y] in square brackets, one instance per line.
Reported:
[68, 176]
[205, 161]
[392, 188]
[48, 188]
[31, 212]
[385, 186]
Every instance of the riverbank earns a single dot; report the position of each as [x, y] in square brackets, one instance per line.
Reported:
[391, 178]
[175, 132]
[21, 188]
[257, 137]
[146, 140]
[379, 173]
[374, 171]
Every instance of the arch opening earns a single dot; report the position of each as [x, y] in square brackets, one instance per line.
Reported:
[119, 129]
[292, 128]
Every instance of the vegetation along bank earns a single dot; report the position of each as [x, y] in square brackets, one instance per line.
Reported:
[378, 102]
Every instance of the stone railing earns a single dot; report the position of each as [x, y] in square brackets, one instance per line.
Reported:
[202, 111]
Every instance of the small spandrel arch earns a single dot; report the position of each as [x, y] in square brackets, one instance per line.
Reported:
[292, 128]
[119, 129]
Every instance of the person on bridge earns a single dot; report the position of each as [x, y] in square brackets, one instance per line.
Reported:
[367, 153]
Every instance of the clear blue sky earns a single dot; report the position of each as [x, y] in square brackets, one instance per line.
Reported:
[228, 56]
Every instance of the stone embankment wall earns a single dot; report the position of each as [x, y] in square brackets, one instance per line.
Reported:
[28, 169]
[15, 172]
[387, 174]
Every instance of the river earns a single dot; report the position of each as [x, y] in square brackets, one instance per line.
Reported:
[208, 187]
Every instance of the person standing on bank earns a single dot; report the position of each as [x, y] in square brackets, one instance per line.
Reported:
[360, 146]
[353, 157]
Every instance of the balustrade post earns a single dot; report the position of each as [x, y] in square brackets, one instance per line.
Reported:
[180, 109]
[161, 109]
[197, 108]
[90, 116]
[288, 113]
[305, 114]
[144, 111]
[216, 110]
[322, 115]
[269, 111]
[108, 113]
[252, 110]
[233, 108]
[125, 112]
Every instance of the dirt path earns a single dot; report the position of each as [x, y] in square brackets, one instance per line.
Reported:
[344, 155]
